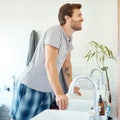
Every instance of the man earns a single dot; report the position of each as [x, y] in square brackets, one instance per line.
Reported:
[41, 77]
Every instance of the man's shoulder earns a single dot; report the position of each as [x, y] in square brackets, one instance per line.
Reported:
[54, 28]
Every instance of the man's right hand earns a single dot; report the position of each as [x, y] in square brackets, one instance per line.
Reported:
[62, 101]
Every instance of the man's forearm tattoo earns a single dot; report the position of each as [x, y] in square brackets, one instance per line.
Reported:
[66, 70]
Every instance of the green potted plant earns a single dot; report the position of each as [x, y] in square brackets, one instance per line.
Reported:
[101, 54]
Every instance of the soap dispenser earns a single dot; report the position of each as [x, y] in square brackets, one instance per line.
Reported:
[101, 104]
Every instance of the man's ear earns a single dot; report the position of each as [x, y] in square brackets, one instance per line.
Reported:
[67, 18]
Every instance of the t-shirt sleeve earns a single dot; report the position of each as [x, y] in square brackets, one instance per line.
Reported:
[52, 38]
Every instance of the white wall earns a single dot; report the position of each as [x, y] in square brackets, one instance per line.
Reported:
[19, 17]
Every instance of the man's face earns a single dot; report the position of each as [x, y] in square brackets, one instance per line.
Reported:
[76, 20]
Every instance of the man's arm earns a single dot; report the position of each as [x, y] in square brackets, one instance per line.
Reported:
[52, 73]
[67, 70]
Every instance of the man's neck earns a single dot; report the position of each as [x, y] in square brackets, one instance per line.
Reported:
[68, 30]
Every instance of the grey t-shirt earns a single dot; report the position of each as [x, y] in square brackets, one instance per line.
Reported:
[35, 76]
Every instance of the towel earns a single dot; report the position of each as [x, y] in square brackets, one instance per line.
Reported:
[32, 46]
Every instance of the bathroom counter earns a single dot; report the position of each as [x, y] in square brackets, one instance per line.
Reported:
[66, 115]
[61, 115]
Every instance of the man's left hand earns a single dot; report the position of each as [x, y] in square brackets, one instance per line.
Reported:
[77, 90]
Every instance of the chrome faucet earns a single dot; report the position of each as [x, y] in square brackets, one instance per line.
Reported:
[100, 81]
[102, 87]
[78, 79]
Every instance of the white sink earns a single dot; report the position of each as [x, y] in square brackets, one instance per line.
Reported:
[80, 105]
[62, 115]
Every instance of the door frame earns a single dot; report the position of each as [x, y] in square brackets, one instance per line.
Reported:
[119, 28]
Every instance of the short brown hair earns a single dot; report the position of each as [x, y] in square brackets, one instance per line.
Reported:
[67, 9]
